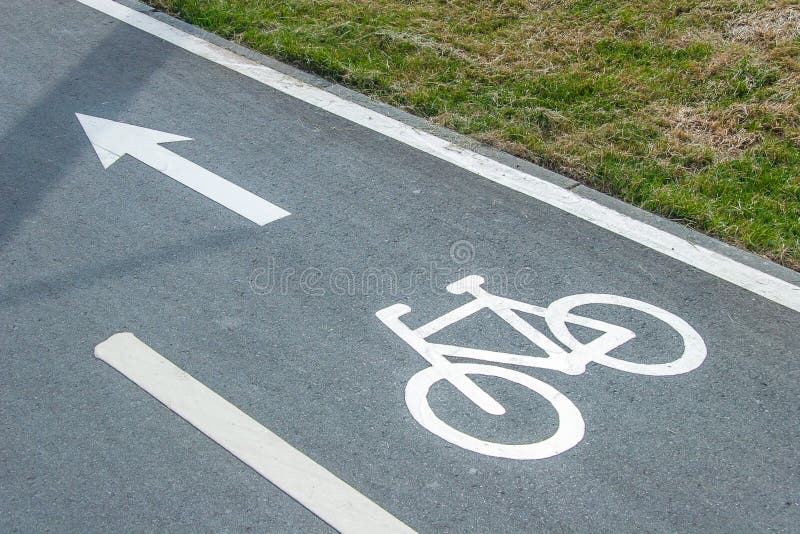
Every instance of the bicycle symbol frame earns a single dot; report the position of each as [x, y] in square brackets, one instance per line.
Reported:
[572, 361]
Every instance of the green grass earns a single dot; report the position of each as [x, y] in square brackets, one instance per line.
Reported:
[688, 108]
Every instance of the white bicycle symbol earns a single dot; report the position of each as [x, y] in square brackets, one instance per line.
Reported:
[573, 362]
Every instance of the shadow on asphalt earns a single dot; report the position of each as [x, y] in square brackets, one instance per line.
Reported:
[50, 128]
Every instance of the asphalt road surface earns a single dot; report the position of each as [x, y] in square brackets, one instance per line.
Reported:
[292, 277]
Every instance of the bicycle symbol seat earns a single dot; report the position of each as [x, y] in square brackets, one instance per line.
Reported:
[572, 361]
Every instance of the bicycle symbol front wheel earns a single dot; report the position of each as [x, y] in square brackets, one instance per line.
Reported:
[570, 426]
[694, 349]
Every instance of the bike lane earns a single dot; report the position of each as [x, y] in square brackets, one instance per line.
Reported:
[281, 320]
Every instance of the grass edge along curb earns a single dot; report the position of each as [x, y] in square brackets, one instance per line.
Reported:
[690, 110]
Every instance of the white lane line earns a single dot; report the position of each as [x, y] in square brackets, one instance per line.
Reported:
[111, 140]
[714, 263]
[313, 486]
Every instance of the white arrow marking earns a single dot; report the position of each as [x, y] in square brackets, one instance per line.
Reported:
[111, 140]
[330, 498]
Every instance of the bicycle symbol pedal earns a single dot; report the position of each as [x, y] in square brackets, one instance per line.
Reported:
[572, 361]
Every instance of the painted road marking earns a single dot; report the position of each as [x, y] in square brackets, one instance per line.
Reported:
[707, 260]
[111, 140]
[572, 362]
[313, 486]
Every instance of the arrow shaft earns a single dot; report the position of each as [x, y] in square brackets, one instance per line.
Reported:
[209, 184]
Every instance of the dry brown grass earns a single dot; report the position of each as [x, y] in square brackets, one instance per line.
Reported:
[766, 28]
[724, 131]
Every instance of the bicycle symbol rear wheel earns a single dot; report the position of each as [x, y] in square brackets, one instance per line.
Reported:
[570, 426]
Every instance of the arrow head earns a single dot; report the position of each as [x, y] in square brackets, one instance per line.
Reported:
[111, 140]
